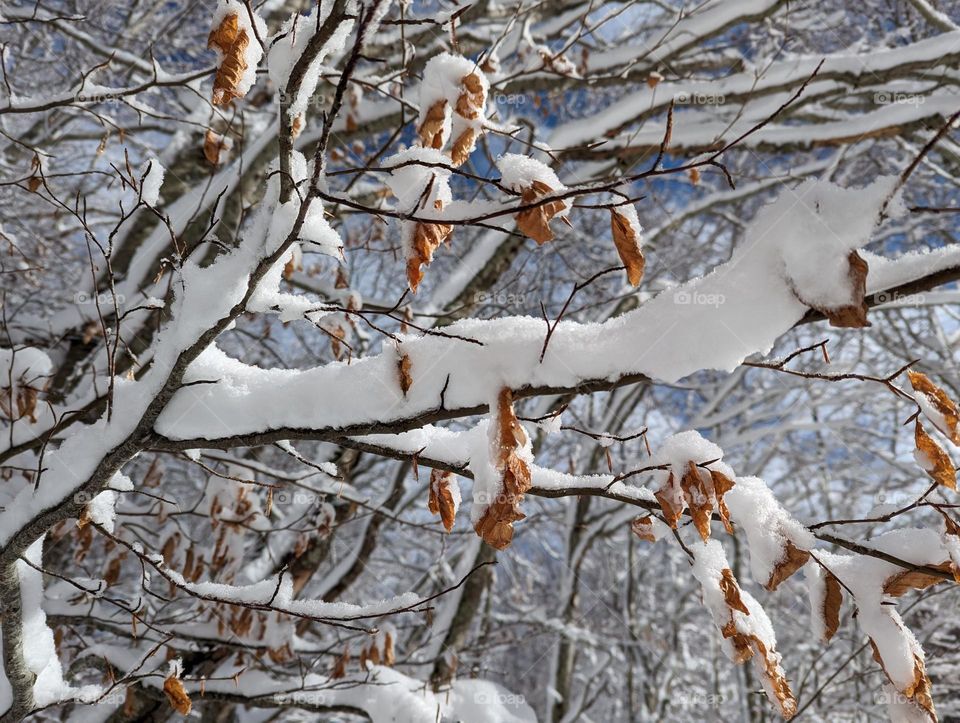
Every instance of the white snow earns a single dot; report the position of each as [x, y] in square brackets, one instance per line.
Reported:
[767, 524]
[151, 178]
[290, 43]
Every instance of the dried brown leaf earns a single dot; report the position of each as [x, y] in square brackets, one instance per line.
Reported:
[432, 128]
[938, 464]
[495, 525]
[853, 316]
[441, 497]
[627, 241]
[389, 656]
[403, 368]
[231, 40]
[462, 147]
[177, 695]
[213, 145]
[731, 591]
[698, 498]
[792, 559]
[473, 97]
[535, 222]
[642, 527]
[721, 485]
[941, 402]
[830, 606]
[906, 580]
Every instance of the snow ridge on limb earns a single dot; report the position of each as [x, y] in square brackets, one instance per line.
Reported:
[713, 322]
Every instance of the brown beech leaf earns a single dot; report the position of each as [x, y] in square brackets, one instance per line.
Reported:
[389, 656]
[934, 461]
[495, 525]
[231, 40]
[431, 130]
[294, 263]
[112, 572]
[473, 97]
[403, 367]
[214, 144]
[177, 695]
[746, 646]
[642, 527]
[906, 580]
[830, 605]
[427, 237]
[535, 222]
[442, 499]
[627, 241]
[699, 499]
[462, 147]
[793, 559]
[731, 591]
[721, 485]
[853, 316]
[667, 497]
[341, 663]
[941, 402]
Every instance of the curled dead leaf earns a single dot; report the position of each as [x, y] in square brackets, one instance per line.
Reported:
[938, 399]
[443, 499]
[431, 131]
[791, 560]
[214, 145]
[906, 580]
[699, 499]
[495, 525]
[853, 316]
[830, 605]
[177, 695]
[535, 222]
[933, 459]
[627, 240]
[462, 147]
[403, 367]
[731, 591]
[231, 40]
[642, 527]
[721, 485]
[389, 656]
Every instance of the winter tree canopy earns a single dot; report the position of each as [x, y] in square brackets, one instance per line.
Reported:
[482, 361]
